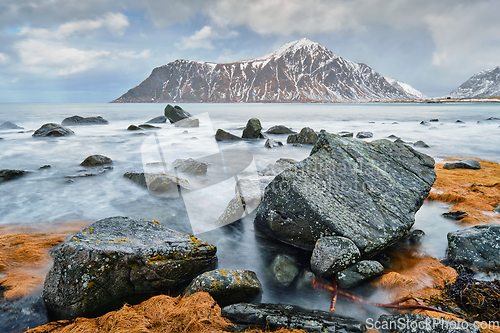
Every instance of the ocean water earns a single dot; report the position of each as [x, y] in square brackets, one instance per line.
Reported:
[49, 195]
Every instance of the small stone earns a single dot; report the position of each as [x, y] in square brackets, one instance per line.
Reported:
[147, 126]
[459, 121]
[424, 123]
[270, 143]
[157, 120]
[346, 134]
[462, 164]
[333, 254]
[96, 160]
[434, 120]
[47, 166]
[364, 135]
[359, 273]
[420, 143]
[284, 270]
[134, 128]
[222, 135]
[458, 215]
[9, 125]
[7, 174]
[392, 136]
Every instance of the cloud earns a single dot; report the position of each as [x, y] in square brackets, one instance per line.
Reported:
[202, 39]
[3, 58]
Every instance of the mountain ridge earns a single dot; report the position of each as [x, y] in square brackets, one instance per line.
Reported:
[482, 84]
[300, 71]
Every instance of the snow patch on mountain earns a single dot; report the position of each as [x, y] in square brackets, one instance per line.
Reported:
[483, 84]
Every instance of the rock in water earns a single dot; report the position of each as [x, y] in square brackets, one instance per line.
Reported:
[364, 135]
[252, 130]
[188, 122]
[332, 254]
[367, 192]
[7, 174]
[118, 259]
[222, 135]
[175, 113]
[270, 143]
[280, 129]
[477, 247]
[462, 164]
[9, 125]
[77, 120]
[307, 136]
[190, 166]
[96, 160]
[157, 120]
[361, 272]
[227, 286]
[52, 130]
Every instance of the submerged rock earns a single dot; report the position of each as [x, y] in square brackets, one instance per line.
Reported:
[367, 192]
[119, 259]
[9, 125]
[222, 135]
[477, 247]
[96, 160]
[77, 120]
[411, 323]
[158, 183]
[134, 128]
[333, 254]
[420, 143]
[280, 129]
[270, 143]
[252, 130]
[307, 136]
[359, 273]
[8, 174]
[175, 113]
[147, 126]
[462, 164]
[457, 215]
[190, 166]
[283, 270]
[157, 120]
[276, 316]
[52, 130]
[227, 286]
[188, 122]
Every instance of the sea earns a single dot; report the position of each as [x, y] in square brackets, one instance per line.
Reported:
[57, 194]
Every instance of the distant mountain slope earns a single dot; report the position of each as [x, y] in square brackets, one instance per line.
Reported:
[482, 84]
[300, 71]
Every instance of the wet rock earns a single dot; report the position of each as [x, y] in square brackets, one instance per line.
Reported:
[346, 134]
[147, 126]
[359, 273]
[280, 129]
[9, 126]
[190, 166]
[399, 140]
[415, 237]
[157, 120]
[367, 192]
[252, 130]
[270, 143]
[477, 248]
[222, 135]
[421, 144]
[411, 323]
[8, 174]
[284, 270]
[158, 183]
[462, 164]
[96, 160]
[459, 121]
[333, 254]
[77, 120]
[277, 167]
[434, 120]
[175, 113]
[392, 136]
[276, 316]
[307, 136]
[119, 259]
[47, 166]
[134, 128]
[305, 280]
[52, 130]
[457, 215]
[424, 123]
[364, 135]
[188, 122]
[84, 173]
[227, 286]
[493, 118]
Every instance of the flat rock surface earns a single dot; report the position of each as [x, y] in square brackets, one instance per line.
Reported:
[118, 259]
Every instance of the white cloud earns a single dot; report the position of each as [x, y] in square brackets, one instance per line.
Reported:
[201, 39]
[3, 58]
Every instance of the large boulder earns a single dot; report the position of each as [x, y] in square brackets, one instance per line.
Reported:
[8, 174]
[307, 136]
[175, 113]
[77, 120]
[96, 160]
[367, 192]
[276, 316]
[477, 247]
[9, 126]
[252, 130]
[120, 259]
[52, 130]
[227, 286]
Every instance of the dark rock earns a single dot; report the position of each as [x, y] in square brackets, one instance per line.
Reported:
[270, 143]
[459, 121]
[462, 164]
[77, 120]
[9, 125]
[434, 120]
[190, 166]
[119, 259]
[222, 135]
[227, 286]
[307, 136]
[333, 254]
[175, 113]
[147, 126]
[7, 174]
[280, 129]
[157, 120]
[392, 136]
[284, 270]
[346, 134]
[424, 123]
[411, 323]
[476, 248]
[52, 130]
[458, 215]
[188, 122]
[276, 316]
[367, 192]
[493, 118]
[96, 160]
[47, 166]
[399, 140]
[364, 135]
[277, 167]
[158, 183]
[415, 237]
[359, 273]
[134, 128]
[137, 177]
[420, 143]
[17, 316]
[252, 130]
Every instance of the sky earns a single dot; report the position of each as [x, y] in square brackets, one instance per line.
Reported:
[96, 50]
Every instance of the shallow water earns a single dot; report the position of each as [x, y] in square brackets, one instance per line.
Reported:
[48, 195]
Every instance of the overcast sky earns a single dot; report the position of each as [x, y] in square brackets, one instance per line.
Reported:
[95, 50]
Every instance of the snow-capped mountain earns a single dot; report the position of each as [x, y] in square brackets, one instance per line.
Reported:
[300, 71]
[482, 84]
